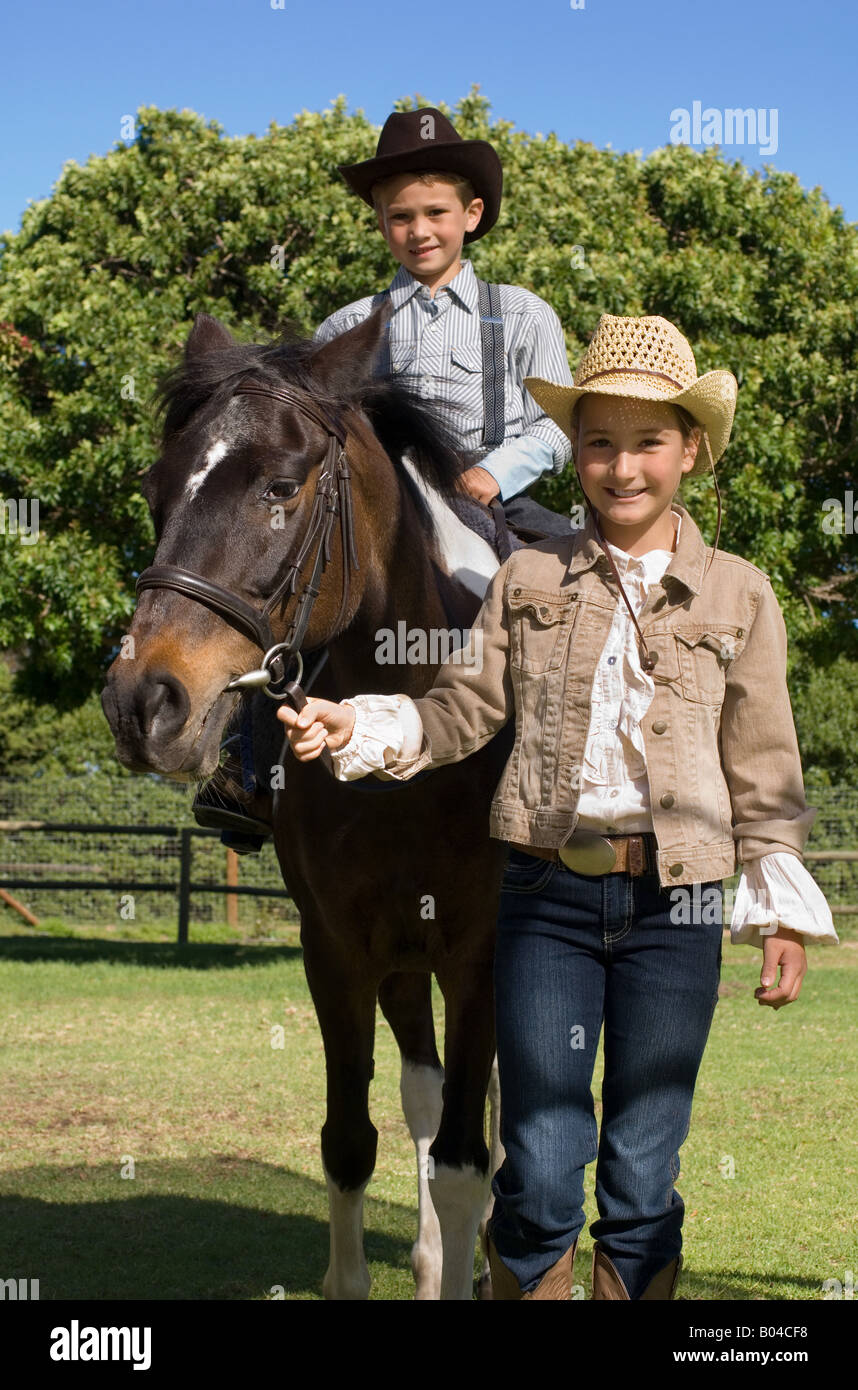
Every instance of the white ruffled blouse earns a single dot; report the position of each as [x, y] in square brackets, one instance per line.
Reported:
[775, 889]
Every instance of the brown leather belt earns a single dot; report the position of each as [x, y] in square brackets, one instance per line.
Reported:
[587, 852]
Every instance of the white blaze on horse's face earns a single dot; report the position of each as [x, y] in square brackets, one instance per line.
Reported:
[464, 554]
[213, 457]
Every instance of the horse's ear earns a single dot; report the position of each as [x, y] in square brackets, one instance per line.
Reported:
[207, 335]
[351, 359]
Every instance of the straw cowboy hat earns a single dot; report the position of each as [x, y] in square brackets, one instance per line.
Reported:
[648, 359]
[414, 141]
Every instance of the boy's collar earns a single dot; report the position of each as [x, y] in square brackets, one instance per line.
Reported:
[686, 564]
[463, 286]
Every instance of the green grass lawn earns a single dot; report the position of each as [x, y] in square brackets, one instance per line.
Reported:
[118, 1049]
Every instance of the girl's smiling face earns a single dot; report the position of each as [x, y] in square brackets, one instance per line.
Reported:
[631, 456]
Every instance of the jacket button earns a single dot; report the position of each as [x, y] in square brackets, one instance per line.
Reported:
[676, 870]
[659, 726]
[667, 800]
[516, 592]
[740, 632]
[543, 612]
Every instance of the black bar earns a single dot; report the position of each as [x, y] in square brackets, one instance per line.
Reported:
[123, 887]
[250, 891]
[126, 886]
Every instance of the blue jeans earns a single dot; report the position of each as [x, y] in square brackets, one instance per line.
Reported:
[575, 952]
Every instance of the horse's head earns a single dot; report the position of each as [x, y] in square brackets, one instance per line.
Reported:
[233, 498]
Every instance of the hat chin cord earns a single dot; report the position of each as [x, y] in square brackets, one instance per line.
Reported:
[717, 497]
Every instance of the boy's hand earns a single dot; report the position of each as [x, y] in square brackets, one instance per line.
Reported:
[479, 483]
[320, 722]
[785, 949]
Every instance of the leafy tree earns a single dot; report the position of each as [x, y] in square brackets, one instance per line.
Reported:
[36, 739]
[98, 289]
[825, 722]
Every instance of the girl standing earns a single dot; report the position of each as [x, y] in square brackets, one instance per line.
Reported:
[654, 747]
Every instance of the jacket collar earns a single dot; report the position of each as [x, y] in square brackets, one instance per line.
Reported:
[687, 563]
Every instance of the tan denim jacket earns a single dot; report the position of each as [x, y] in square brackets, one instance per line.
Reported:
[722, 758]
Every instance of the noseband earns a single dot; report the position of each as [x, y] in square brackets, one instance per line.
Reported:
[332, 497]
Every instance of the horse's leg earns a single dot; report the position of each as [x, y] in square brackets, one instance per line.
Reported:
[461, 1180]
[496, 1158]
[406, 1002]
[345, 1007]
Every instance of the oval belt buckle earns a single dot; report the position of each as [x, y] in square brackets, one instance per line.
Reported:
[588, 853]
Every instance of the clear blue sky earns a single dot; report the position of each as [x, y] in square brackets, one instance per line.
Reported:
[611, 72]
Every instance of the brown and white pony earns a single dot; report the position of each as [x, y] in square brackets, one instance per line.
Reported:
[393, 882]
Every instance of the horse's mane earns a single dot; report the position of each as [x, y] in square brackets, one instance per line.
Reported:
[400, 421]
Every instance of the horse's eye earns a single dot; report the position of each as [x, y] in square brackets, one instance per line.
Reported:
[280, 489]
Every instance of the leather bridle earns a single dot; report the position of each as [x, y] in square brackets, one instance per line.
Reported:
[332, 498]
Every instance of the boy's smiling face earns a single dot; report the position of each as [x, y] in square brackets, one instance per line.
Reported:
[424, 224]
[631, 456]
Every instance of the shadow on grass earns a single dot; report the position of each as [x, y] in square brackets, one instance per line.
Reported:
[224, 1228]
[214, 1228]
[201, 956]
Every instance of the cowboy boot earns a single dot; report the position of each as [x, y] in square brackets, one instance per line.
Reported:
[607, 1283]
[556, 1283]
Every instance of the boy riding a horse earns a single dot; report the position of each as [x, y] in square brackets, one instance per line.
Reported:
[462, 345]
[465, 345]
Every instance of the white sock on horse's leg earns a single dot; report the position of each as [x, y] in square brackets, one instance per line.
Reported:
[496, 1158]
[420, 1087]
[459, 1198]
[347, 1276]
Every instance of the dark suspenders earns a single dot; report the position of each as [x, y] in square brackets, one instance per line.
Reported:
[491, 335]
[491, 339]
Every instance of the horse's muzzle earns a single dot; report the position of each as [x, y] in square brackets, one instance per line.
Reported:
[150, 717]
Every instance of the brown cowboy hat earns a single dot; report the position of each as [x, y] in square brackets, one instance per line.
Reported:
[412, 141]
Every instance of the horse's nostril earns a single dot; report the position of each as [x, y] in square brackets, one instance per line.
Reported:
[110, 707]
[164, 706]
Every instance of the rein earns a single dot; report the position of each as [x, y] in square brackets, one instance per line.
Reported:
[332, 498]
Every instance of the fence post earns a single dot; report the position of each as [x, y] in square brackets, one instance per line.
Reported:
[231, 882]
[185, 887]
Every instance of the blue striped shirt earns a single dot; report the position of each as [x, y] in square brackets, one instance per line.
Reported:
[435, 348]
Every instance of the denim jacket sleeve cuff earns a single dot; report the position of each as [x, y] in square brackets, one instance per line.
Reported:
[777, 890]
[756, 838]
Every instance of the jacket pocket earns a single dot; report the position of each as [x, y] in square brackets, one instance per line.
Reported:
[662, 648]
[704, 656]
[539, 628]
